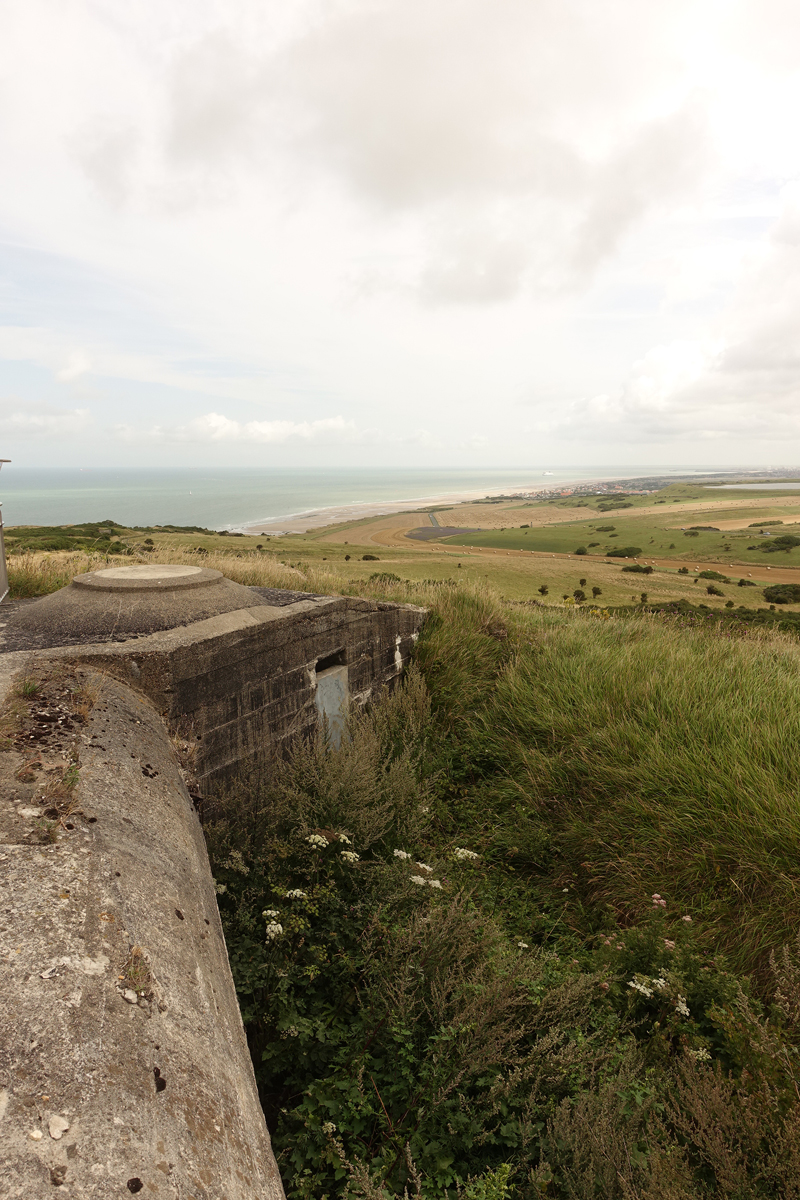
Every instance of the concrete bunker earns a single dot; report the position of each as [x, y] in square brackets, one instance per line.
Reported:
[152, 1090]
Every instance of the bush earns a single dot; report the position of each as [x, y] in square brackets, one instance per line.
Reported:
[386, 577]
[714, 575]
[581, 550]
[638, 569]
[543, 589]
[593, 544]
[596, 592]
[762, 524]
[705, 528]
[683, 570]
[782, 593]
[581, 583]
[643, 598]
[746, 583]
[370, 558]
[713, 590]
[624, 552]
[691, 533]
[786, 541]
[579, 595]
[606, 528]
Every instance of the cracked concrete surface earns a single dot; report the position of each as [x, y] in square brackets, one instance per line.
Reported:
[123, 1061]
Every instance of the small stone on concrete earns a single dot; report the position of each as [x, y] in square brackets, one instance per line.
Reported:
[130, 995]
[35, 1135]
[58, 1126]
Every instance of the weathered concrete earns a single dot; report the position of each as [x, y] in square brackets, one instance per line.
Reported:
[106, 1090]
[243, 680]
[120, 1037]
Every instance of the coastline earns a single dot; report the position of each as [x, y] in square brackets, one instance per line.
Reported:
[339, 514]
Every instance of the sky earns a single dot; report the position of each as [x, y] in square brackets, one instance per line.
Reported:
[400, 232]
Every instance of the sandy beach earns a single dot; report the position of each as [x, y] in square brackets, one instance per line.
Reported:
[321, 518]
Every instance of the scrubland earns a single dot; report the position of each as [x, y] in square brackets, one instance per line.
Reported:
[533, 929]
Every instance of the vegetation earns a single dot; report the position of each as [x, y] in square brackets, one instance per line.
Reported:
[782, 593]
[519, 928]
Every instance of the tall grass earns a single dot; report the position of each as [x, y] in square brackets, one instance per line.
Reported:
[656, 759]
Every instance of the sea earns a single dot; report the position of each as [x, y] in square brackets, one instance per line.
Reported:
[234, 498]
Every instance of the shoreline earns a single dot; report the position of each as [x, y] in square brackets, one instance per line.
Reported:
[340, 514]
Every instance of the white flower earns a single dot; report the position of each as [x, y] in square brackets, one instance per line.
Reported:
[290, 1031]
[273, 931]
[317, 840]
[418, 879]
[401, 854]
[640, 987]
[425, 808]
[660, 983]
[523, 945]
[463, 855]
[425, 867]
[701, 1055]
[328, 1127]
[350, 856]
[680, 1006]
[295, 894]
[434, 883]
[270, 912]
[344, 838]
[688, 920]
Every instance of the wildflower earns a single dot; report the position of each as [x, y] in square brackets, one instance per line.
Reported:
[523, 945]
[295, 894]
[273, 931]
[270, 912]
[463, 855]
[701, 1055]
[603, 986]
[688, 920]
[328, 1127]
[401, 854]
[316, 841]
[565, 889]
[669, 945]
[344, 838]
[425, 808]
[425, 867]
[659, 901]
[350, 856]
[418, 879]
[290, 1031]
[680, 1006]
[434, 883]
[660, 983]
[638, 986]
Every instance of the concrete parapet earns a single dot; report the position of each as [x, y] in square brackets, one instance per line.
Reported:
[123, 1061]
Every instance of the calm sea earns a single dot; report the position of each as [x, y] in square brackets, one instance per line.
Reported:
[229, 498]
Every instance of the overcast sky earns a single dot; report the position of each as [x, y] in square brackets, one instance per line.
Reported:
[401, 232]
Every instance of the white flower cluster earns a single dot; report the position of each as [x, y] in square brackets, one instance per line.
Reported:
[344, 838]
[648, 986]
[425, 867]
[638, 986]
[401, 854]
[701, 1055]
[680, 1006]
[328, 1127]
[463, 855]
[523, 945]
[273, 930]
[270, 912]
[350, 856]
[290, 1031]
[295, 894]
[421, 881]
[316, 841]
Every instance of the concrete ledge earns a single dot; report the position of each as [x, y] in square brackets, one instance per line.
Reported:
[149, 1090]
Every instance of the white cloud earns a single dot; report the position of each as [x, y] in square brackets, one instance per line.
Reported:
[214, 427]
[42, 421]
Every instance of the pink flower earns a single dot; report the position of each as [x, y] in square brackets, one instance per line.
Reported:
[658, 901]
[670, 945]
[688, 920]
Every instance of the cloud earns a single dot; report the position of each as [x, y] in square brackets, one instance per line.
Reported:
[42, 421]
[214, 427]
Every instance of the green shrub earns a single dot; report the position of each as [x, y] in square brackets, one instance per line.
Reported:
[786, 541]
[606, 528]
[543, 589]
[581, 550]
[639, 569]
[713, 590]
[386, 577]
[579, 595]
[782, 593]
[691, 533]
[369, 558]
[624, 552]
[714, 575]
[746, 583]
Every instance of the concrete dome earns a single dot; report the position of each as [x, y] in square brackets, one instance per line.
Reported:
[122, 602]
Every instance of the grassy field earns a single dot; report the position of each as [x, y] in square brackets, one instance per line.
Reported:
[591, 997]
